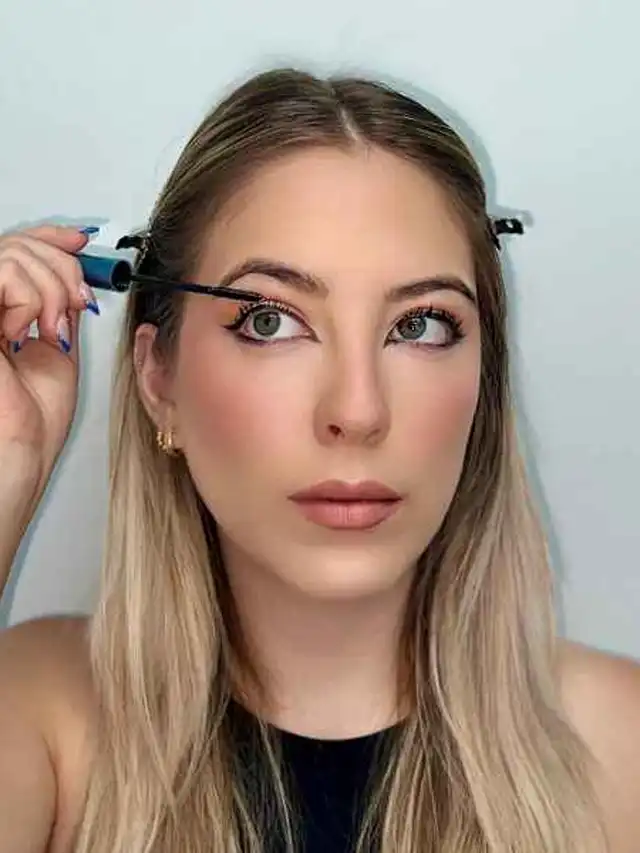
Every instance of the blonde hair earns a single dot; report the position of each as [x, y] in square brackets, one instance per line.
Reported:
[486, 761]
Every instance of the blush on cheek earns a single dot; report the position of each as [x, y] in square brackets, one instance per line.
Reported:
[217, 406]
[237, 407]
[444, 416]
[212, 400]
[437, 439]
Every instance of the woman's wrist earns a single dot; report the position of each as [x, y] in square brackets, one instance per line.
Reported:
[19, 495]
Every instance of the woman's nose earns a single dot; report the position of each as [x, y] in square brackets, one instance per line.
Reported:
[353, 407]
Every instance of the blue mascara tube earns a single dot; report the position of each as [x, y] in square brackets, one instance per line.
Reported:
[106, 273]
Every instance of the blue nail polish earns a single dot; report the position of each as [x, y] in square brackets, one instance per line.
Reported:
[89, 230]
[64, 344]
[16, 346]
[93, 306]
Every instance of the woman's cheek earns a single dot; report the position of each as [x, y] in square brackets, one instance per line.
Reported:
[239, 403]
[442, 420]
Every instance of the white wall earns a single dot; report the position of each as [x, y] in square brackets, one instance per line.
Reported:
[96, 99]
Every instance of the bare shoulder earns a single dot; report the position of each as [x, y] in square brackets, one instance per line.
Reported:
[601, 693]
[46, 662]
[47, 710]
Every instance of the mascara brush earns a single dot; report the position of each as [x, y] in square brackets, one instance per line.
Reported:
[103, 272]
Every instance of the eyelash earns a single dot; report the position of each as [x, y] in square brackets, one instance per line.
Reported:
[247, 311]
[428, 311]
[442, 316]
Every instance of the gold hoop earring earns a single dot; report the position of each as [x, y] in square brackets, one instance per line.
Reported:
[166, 442]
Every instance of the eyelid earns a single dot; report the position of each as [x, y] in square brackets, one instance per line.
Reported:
[268, 302]
[248, 309]
[274, 304]
[451, 319]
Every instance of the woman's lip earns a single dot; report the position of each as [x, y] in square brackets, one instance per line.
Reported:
[343, 492]
[348, 515]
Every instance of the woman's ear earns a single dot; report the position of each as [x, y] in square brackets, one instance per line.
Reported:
[153, 377]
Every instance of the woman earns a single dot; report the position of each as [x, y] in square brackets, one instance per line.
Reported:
[325, 619]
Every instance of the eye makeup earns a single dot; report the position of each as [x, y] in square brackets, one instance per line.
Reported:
[422, 315]
[246, 312]
[413, 319]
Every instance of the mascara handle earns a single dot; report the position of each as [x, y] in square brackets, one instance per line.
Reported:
[106, 273]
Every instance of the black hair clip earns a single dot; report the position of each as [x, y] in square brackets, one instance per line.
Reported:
[131, 241]
[141, 242]
[506, 225]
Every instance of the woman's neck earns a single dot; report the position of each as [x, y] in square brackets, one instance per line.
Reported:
[330, 666]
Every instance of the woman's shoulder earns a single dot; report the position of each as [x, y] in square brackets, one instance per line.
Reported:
[601, 695]
[600, 688]
[47, 703]
[46, 662]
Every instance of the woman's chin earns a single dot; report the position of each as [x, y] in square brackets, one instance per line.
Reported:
[346, 579]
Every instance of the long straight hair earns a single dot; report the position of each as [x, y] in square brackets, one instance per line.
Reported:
[486, 762]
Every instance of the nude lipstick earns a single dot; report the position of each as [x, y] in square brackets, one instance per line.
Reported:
[340, 505]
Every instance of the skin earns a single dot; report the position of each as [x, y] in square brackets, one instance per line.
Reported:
[330, 398]
[256, 424]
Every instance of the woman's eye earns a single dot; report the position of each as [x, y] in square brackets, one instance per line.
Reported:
[269, 324]
[263, 324]
[427, 327]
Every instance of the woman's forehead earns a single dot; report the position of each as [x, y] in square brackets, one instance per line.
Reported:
[339, 214]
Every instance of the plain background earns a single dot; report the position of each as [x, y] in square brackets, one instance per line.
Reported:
[97, 99]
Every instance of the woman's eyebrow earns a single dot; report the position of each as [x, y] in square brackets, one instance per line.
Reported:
[308, 283]
[299, 279]
[424, 286]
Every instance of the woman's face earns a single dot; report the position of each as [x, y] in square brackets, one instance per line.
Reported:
[366, 369]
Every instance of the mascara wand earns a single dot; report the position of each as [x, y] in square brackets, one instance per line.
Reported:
[104, 272]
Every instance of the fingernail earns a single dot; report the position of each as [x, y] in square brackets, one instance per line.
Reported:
[89, 298]
[88, 230]
[17, 345]
[64, 335]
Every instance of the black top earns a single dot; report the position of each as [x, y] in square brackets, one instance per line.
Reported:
[329, 782]
[332, 778]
